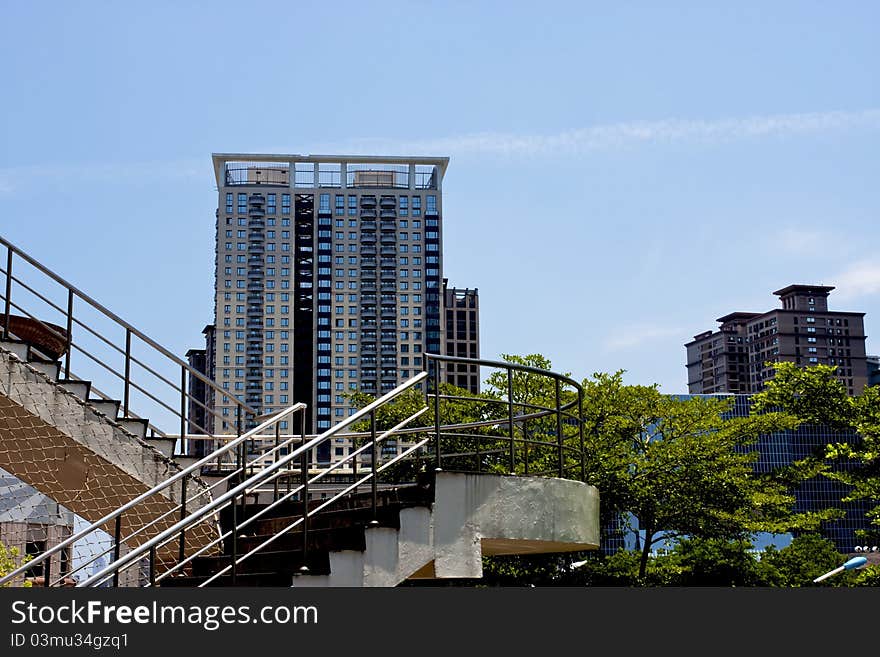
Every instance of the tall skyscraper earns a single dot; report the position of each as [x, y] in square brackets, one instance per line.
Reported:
[328, 278]
[803, 331]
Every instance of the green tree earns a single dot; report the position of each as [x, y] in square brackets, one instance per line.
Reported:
[9, 562]
[683, 467]
[804, 559]
[814, 395]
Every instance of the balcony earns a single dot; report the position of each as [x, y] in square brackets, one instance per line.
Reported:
[368, 238]
[388, 250]
[368, 249]
[389, 286]
[388, 262]
[368, 201]
[389, 274]
[387, 238]
[368, 224]
[368, 286]
[368, 261]
[267, 174]
[387, 224]
[389, 311]
[368, 274]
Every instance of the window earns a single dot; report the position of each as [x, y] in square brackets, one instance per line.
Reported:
[404, 209]
[352, 206]
[285, 204]
[431, 204]
[416, 206]
[340, 205]
[228, 202]
[324, 203]
[242, 203]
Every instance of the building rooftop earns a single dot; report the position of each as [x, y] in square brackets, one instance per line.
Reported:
[429, 170]
[805, 289]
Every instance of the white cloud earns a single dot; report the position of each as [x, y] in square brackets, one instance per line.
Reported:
[615, 135]
[14, 179]
[635, 336]
[860, 279]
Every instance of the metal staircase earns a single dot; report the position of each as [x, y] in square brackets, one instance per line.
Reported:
[406, 501]
[73, 372]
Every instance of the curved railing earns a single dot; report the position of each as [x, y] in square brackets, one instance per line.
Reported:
[532, 426]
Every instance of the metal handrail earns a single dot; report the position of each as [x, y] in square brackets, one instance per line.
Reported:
[73, 291]
[301, 452]
[185, 472]
[561, 411]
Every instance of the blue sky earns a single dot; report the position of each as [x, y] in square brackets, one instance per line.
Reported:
[621, 173]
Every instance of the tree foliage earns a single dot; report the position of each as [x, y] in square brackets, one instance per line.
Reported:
[9, 561]
[813, 395]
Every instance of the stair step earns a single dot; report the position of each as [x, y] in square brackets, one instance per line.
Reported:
[164, 445]
[17, 347]
[79, 388]
[109, 407]
[50, 368]
[137, 426]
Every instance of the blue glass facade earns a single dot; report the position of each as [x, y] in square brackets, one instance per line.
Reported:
[776, 450]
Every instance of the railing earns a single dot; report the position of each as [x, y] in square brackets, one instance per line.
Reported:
[235, 499]
[148, 514]
[142, 373]
[528, 424]
[533, 427]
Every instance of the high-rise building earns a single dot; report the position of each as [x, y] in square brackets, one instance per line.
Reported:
[462, 338]
[328, 278]
[804, 331]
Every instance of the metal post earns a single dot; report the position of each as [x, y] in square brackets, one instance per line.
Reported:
[374, 479]
[69, 334]
[510, 418]
[559, 429]
[125, 395]
[275, 479]
[581, 433]
[234, 546]
[152, 565]
[525, 431]
[183, 449]
[182, 540]
[304, 466]
[438, 466]
[47, 571]
[8, 301]
[117, 537]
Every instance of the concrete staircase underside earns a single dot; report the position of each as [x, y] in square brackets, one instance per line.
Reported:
[472, 515]
[69, 448]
